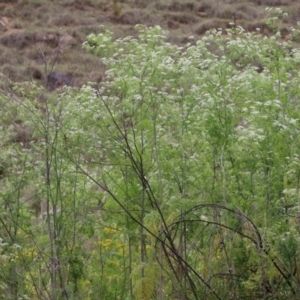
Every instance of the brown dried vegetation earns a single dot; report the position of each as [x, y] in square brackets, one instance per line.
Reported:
[36, 33]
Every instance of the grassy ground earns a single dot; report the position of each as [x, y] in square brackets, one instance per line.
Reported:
[40, 36]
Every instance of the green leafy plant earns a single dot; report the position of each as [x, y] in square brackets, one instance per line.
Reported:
[177, 178]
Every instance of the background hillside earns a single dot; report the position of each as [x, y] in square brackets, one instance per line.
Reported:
[41, 37]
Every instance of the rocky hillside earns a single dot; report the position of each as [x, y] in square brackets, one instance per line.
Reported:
[42, 40]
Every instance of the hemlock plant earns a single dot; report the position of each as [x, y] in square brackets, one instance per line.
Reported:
[176, 178]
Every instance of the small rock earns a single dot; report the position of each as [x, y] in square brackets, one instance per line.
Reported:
[48, 38]
[66, 41]
[202, 14]
[58, 79]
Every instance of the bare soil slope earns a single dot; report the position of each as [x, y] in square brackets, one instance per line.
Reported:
[42, 40]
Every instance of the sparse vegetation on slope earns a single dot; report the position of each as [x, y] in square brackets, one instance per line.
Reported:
[35, 35]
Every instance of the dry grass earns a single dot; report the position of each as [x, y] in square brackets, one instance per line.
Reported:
[274, 2]
[181, 17]
[210, 24]
[133, 17]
